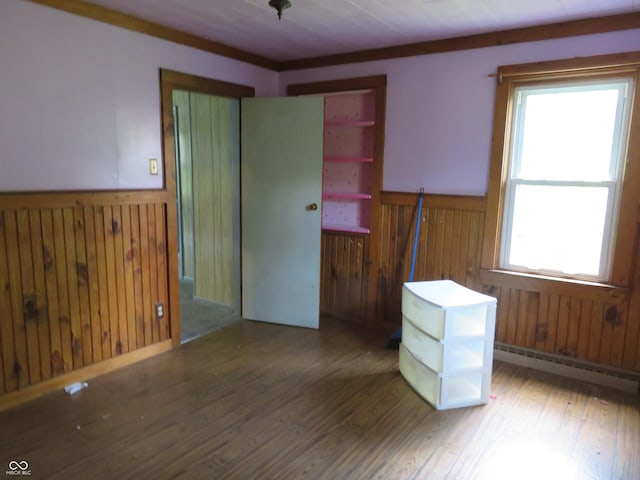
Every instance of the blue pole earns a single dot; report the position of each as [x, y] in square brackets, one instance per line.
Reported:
[394, 342]
[417, 236]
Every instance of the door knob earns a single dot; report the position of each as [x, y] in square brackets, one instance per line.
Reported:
[312, 206]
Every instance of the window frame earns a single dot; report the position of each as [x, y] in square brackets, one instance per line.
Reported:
[624, 84]
[602, 67]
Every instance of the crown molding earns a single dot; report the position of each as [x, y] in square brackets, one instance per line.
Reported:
[571, 28]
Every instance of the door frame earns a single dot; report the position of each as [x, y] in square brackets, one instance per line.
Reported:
[377, 84]
[169, 81]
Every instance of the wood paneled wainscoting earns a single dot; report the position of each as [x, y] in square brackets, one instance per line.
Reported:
[579, 322]
[449, 246]
[344, 270]
[80, 277]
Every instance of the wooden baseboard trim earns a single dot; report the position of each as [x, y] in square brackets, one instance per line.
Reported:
[30, 393]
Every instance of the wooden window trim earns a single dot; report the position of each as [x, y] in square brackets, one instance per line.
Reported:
[626, 242]
[560, 286]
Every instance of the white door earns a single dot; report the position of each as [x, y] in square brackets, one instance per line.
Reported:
[281, 189]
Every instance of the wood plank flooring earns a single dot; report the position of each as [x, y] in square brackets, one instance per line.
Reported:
[254, 401]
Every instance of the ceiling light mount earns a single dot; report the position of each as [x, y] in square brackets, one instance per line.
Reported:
[279, 5]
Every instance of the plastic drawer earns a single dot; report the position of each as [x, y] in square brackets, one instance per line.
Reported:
[444, 309]
[443, 391]
[439, 356]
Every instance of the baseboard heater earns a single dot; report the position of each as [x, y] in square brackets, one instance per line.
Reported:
[620, 379]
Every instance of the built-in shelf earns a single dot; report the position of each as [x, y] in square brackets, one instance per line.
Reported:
[350, 123]
[344, 228]
[359, 196]
[349, 159]
[348, 162]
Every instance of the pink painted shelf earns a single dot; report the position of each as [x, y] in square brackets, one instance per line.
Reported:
[360, 196]
[344, 228]
[348, 162]
[349, 159]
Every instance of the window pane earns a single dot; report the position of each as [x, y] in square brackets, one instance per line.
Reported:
[568, 133]
[558, 228]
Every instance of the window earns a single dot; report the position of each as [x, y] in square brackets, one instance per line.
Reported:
[564, 181]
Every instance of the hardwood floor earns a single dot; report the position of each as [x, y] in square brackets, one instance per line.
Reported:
[263, 401]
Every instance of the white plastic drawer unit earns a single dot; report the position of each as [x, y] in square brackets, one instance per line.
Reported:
[446, 353]
[443, 391]
[443, 357]
[444, 309]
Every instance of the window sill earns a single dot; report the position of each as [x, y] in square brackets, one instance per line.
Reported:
[601, 292]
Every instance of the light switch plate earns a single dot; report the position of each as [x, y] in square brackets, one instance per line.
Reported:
[153, 166]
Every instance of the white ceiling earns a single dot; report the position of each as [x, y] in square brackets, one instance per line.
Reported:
[321, 27]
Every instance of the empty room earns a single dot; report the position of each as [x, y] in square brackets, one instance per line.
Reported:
[315, 239]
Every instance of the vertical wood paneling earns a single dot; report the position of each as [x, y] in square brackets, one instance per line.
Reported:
[82, 275]
[574, 329]
[102, 281]
[620, 322]
[631, 355]
[39, 294]
[72, 287]
[110, 262]
[606, 335]
[542, 326]
[163, 293]
[20, 364]
[584, 329]
[153, 262]
[512, 315]
[343, 274]
[552, 323]
[129, 293]
[593, 350]
[51, 292]
[502, 314]
[214, 134]
[29, 305]
[122, 344]
[9, 357]
[146, 276]
[533, 306]
[65, 357]
[136, 264]
[93, 283]
[564, 310]
[523, 310]
[3, 387]
[451, 247]
[460, 272]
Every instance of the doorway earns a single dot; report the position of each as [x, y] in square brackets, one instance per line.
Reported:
[288, 227]
[207, 162]
[207, 129]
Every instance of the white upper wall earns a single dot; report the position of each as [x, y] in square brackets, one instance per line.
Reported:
[80, 99]
[439, 114]
[80, 102]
